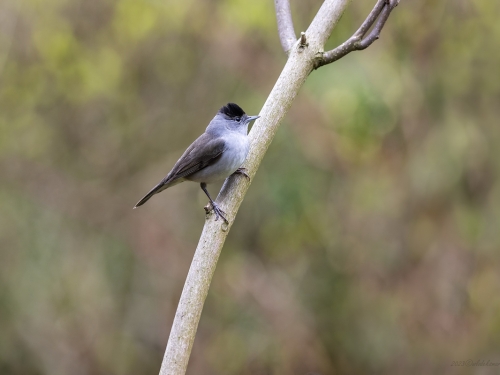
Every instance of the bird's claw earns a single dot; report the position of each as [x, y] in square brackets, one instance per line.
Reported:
[242, 171]
[217, 210]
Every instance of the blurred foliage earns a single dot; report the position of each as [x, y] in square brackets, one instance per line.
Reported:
[369, 239]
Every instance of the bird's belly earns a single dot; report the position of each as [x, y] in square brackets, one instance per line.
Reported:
[231, 159]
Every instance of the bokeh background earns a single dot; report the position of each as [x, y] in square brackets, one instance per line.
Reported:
[369, 239]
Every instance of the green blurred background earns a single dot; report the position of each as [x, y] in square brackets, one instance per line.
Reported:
[369, 239]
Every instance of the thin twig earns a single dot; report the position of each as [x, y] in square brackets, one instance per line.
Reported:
[286, 30]
[359, 40]
[303, 40]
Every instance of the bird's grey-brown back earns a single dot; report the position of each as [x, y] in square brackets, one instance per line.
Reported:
[215, 155]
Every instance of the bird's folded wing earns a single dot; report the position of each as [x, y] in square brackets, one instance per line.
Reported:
[202, 153]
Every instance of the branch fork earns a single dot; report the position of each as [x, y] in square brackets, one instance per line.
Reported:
[360, 40]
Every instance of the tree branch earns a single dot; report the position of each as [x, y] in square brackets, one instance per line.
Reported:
[286, 30]
[305, 55]
[359, 40]
[299, 65]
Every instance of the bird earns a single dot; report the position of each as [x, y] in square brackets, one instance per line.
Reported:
[213, 156]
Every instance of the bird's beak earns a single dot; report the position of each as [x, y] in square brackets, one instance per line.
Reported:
[251, 118]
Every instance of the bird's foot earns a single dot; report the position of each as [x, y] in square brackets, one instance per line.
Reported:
[242, 171]
[217, 210]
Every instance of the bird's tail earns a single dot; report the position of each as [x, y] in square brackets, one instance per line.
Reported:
[160, 187]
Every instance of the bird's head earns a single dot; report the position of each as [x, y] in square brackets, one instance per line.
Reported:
[234, 117]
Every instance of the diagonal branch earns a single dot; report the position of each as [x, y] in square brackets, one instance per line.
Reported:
[299, 65]
[286, 30]
[360, 40]
[303, 58]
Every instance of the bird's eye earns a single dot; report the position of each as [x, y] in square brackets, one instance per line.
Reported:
[237, 119]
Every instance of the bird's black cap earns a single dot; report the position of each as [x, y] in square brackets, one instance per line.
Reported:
[232, 110]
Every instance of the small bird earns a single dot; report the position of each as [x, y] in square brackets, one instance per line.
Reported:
[215, 155]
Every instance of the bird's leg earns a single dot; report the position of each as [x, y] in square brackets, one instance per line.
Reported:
[242, 171]
[218, 211]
